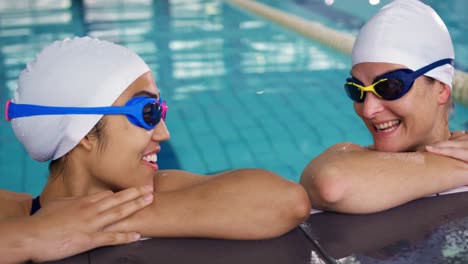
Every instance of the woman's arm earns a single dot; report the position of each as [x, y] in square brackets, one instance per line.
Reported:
[239, 204]
[351, 179]
[70, 226]
[456, 147]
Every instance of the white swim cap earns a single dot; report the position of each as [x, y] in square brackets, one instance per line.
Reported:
[406, 32]
[74, 72]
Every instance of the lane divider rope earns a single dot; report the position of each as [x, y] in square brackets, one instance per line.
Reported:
[338, 40]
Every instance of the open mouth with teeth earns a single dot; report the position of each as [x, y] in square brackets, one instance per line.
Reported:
[151, 160]
[387, 126]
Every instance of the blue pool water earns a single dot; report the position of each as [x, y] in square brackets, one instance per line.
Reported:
[242, 91]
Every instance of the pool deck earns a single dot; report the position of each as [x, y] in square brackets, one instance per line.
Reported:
[422, 231]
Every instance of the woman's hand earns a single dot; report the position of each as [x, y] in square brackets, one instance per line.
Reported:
[70, 226]
[455, 147]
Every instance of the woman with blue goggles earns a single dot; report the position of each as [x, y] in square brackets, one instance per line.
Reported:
[103, 132]
[403, 64]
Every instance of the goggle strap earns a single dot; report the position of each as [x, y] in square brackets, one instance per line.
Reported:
[432, 66]
[24, 110]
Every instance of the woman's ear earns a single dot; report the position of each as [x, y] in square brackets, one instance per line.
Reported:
[444, 93]
[87, 142]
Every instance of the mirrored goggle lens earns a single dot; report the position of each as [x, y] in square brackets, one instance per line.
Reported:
[354, 92]
[391, 89]
[152, 113]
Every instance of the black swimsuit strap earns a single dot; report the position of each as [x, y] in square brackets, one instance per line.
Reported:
[36, 205]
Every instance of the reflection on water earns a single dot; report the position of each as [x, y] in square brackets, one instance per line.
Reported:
[447, 244]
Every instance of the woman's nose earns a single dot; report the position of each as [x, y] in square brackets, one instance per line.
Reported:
[160, 132]
[371, 106]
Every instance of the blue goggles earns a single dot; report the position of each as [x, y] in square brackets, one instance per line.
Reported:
[141, 111]
[389, 86]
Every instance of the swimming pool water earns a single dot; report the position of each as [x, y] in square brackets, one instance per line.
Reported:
[242, 92]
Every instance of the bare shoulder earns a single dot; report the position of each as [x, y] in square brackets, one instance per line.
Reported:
[14, 196]
[346, 147]
[14, 204]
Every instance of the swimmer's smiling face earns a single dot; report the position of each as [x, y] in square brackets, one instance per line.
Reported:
[405, 124]
[126, 154]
